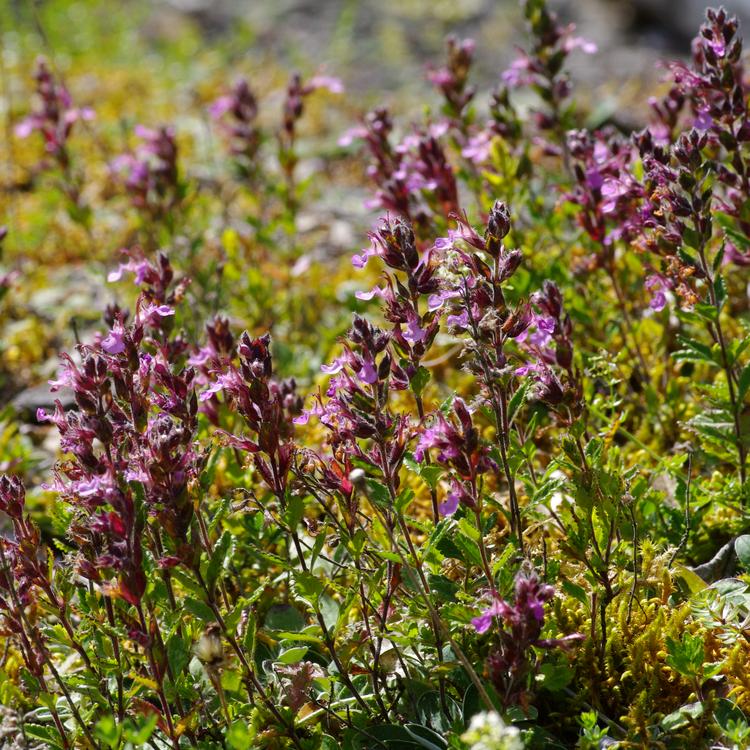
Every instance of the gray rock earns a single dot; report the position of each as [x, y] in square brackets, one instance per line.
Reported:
[29, 400]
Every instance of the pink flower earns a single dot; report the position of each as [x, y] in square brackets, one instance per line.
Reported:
[331, 83]
[478, 148]
[414, 332]
[658, 286]
[450, 505]
[498, 608]
[114, 343]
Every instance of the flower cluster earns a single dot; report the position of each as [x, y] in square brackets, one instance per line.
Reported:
[150, 173]
[608, 195]
[519, 631]
[267, 406]
[293, 108]
[414, 178]
[236, 114]
[134, 426]
[56, 116]
[542, 67]
[452, 80]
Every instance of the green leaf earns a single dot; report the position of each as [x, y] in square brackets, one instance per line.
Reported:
[744, 383]
[444, 589]
[48, 735]
[295, 509]
[473, 703]
[140, 732]
[431, 475]
[238, 736]
[329, 610]
[284, 617]
[425, 737]
[248, 640]
[390, 736]
[178, 654]
[469, 549]
[344, 609]
[742, 550]
[707, 312]
[318, 545]
[727, 711]
[516, 713]
[554, 677]
[687, 655]
[218, 557]
[418, 382]
[199, 609]
[291, 655]
[404, 499]
[720, 290]
[682, 716]
[209, 472]
[694, 582]
[576, 591]
[378, 492]
[716, 424]
[694, 351]
[308, 586]
[430, 712]
[518, 399]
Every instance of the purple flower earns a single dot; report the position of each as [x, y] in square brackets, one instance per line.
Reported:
[153, 313]
[139, 268]
[658, 286]
[331, 83]
[114, 342]
[519, 629]
[55, 117]
[733, 255]
[367, 373]
[703, 120]
[450, 505]
[478, 147]
[414, 332]
[498, 608]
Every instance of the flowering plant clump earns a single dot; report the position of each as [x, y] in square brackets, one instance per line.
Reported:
[481, 484]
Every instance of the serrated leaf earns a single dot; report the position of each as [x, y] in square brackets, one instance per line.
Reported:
[295, 509]
[218, 556]
[418, 382]
[284, 617]
[469, 550]
[431, 475]
[46, 734]
[199, 609]
[178, 654]
[378, 493]
[248, 639]
[518, 399]
[308, 586]
[404, 499]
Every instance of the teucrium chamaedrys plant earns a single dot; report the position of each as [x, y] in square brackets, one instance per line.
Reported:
[475, 522]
